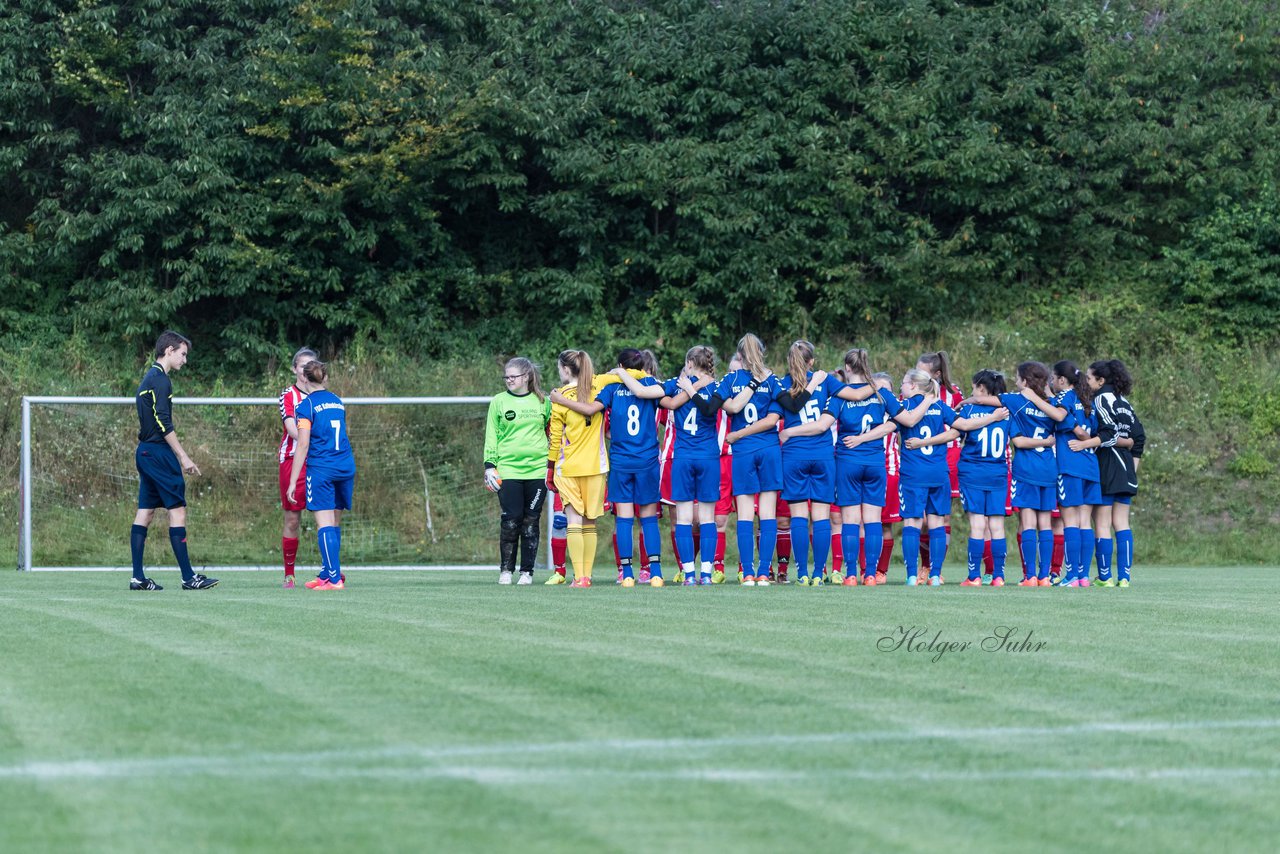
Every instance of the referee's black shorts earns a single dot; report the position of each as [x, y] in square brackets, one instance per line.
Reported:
[160, 477]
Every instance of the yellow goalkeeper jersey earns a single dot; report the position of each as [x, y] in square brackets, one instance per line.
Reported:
[577, 443]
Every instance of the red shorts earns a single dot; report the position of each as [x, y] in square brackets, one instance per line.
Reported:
[725, 505]
[286, 468]
[890, 512]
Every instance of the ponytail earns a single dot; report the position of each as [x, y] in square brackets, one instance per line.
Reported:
[939, 364]
[857, 363]
[702, 358]
[799, 358]
[579, 363]
[1068, 371]
[752, 351]
[922, 381]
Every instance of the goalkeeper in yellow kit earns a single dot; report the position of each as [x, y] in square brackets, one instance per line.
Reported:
[578, 461]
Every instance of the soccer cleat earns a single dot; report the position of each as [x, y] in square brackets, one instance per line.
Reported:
[679, 579]
[782, 577]
[554, 578]
[1124, 582]
[763, 581]
[315, 582]
[1045, 582]
[741, 575]
[911, 581]
[644, 576]
[971, 582]
[656, 581]
[580, 581]
[689, 580]
[339, 586]
[587, 579]
[717, 576]
[1085, 582]
[199, 582]
[288, 582]
[1104, 582]
[526, 578]
[1055, 579]
[628, 582]
[504, 577]
[619, 581]
[997, 581]
[707, 579]
[144, 584]
[870, 580]
[816, 581]
[851, 581]
[1075, 582]
[748, 581]
[881, 577]
[936, 581]
[838, 578]
[1029, 582]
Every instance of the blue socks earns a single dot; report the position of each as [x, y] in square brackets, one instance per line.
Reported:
[330, 543]
[624, 530]
[178, 540]
[1124, 553]
[999, 554]
[708, 535]
[1070, 553]
[1046, 552]
[910, 550]
[1103, 552]
[684, 545]
[768, 540]
[1027, 542]
[850, 534]
[652, 543]
[975, 559]
[874, 542]
[938, 551]
[821, 544]
[800, 545]
[1087, 542]
[746, 550]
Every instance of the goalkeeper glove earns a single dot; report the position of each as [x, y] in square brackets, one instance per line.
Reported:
[491, 480]
[551, 476]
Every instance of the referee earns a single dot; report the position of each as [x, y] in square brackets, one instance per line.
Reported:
[161, 462]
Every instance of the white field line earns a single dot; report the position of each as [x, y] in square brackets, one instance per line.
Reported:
[399, 762]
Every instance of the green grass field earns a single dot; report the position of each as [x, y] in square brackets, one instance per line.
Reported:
[438, 711]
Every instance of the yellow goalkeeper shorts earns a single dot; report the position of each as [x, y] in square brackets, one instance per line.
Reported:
[584, 494]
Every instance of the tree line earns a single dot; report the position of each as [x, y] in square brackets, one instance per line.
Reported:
[460, 174]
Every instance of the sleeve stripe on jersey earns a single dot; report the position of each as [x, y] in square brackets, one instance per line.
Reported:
[154, 413]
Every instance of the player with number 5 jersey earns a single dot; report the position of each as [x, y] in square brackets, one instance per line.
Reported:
[324, 449]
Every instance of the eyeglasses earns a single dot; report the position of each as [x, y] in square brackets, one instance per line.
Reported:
[513, 377]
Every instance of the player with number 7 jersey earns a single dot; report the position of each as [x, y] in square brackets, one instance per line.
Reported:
[330, 470]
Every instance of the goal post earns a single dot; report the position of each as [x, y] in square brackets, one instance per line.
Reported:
[420, 502]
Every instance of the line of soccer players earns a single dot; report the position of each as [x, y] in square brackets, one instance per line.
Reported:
[1062, 449]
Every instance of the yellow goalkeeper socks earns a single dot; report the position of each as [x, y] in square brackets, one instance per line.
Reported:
[588, 547]
[573, 544]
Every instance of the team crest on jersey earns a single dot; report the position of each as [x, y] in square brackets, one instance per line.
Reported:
[510, 415]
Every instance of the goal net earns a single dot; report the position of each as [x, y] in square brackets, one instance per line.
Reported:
[420, 500]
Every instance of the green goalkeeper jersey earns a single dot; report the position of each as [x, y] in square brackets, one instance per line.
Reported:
[515, 436]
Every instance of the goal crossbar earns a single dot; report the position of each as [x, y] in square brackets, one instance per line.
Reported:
[25, 528]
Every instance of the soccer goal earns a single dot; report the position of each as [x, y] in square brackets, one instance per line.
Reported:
[420, 501]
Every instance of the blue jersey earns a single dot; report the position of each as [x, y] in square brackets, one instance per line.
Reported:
[633, 427]
[808, 447]
[853, 418]
[983, 460]
[760, 404]
[1082, 464]
[926, 466]
[330, 450]
[1036, 466]
[695, 433]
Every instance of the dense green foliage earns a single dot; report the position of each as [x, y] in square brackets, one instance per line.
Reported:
[457, 173]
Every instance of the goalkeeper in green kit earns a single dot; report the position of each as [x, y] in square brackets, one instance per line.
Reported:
[515, 464]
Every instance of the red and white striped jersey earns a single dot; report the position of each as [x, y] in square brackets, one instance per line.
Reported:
[289, 400]
[952, 397]
[892, 456]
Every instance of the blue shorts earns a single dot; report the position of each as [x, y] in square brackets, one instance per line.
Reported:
[634, 487]
[329, 490]
[757, 471]
[160, 481]
[1033, 496]
[860, 483]
[695, 480]
[1074, 491]
[809, 480]
[1109, 500]
[916, 501]
[983, 499]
